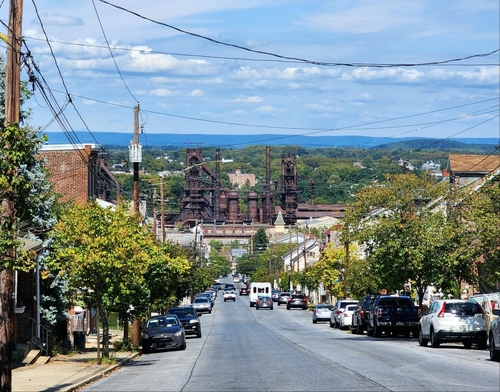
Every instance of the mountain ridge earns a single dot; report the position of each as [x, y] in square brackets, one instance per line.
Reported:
[241, 141]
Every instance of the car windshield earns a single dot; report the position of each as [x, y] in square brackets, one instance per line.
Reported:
[350, 308]
[395, 302]
[161, 322]
[325, 307]
[200, 300]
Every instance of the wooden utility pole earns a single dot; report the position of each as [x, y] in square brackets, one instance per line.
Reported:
[135, 156]
[162, 201]
[12, 109]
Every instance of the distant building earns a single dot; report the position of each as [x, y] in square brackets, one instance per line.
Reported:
[239, 179]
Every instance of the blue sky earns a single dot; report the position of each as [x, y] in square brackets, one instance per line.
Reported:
[188, 84]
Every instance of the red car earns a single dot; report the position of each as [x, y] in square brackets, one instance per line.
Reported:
[244, 291]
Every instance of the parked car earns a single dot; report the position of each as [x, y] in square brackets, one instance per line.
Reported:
[345, 318]
[275, 294]
[264, 303]
[338, 309]
[229, 295]
[494, 337]
[297, 301]
[202, 304]
[162, 332]
[322, 313]
[189, 319]
[393, 314]
[209, 296]
[283, 298]
[453, 320]
[244, 291]
[360, 317]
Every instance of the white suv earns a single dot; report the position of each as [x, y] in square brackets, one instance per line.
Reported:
[453, 320]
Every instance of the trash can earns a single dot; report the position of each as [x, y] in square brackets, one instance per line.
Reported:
[79, 339]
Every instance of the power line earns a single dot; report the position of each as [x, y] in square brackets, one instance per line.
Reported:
[111, 52]
[372, 65]
[367, 65]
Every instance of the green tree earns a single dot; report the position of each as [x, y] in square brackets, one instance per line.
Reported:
[260, 240]
[24, 205]
[105, 254]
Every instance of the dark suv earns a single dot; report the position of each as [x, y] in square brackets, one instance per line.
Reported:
[360, 318]
[189, 319]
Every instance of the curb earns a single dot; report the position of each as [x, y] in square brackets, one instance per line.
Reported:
[102, 374]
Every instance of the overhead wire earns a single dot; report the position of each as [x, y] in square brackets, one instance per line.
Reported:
[274, 60]
[314, 62]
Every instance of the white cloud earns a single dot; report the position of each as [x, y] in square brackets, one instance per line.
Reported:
[195, 93]
[58, 20]
[161, 92]
[252, 99]
[267, 110]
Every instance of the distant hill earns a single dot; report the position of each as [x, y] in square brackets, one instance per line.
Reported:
[438, 144]
[111, 139]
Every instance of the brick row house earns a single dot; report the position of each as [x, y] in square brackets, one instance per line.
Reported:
[78, 173]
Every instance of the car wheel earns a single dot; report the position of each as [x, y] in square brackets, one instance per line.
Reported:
[315, 321]
[354, 329]
[376, 331]
[369, 331]
[434, 341]
[494, 353]
[145, 349]
[183, 345]
[468, 345]
[224, 300]
[256, 308]
[481, 345]
[359, 330]
[210, 311]
[288, 308]
[271, 308]
[199, 334]
[279, 304]
[421, 340]
[415, 332]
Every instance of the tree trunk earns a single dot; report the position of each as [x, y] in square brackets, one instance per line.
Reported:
[105, 332]
[6, 327]
[125, 328]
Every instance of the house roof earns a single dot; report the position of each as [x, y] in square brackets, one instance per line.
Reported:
[467, 163]
[28, 244]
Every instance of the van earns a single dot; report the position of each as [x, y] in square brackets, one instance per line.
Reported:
[259, 289]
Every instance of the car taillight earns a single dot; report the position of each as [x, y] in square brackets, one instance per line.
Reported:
[362, 312]
[290, 299]
[441, 312]
[304, 299]
[338, 312]
[346, 315]
[379, 312]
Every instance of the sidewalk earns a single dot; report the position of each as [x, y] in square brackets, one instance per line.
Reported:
[67, 372]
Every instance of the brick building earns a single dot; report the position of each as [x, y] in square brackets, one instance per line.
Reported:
[78, 172]
[238, 178]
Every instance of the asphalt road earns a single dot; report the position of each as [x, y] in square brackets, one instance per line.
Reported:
[281, 350]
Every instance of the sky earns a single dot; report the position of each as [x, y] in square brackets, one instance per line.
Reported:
[291, 67]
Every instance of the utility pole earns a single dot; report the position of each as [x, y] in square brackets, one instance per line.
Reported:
[162, 197]
[135, 156]
[12, 108]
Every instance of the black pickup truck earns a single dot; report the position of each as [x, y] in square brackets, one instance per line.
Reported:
[393, 314]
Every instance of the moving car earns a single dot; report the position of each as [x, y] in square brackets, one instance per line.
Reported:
[229, 295]
[453, 320]
[163, 332]
[275, 295]
[189, 319]
[202, 304]
[322, 313]
[244, 291]
[297, 301]
[283, 298]
[264, 303]
[338, 309]
[345, 318]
